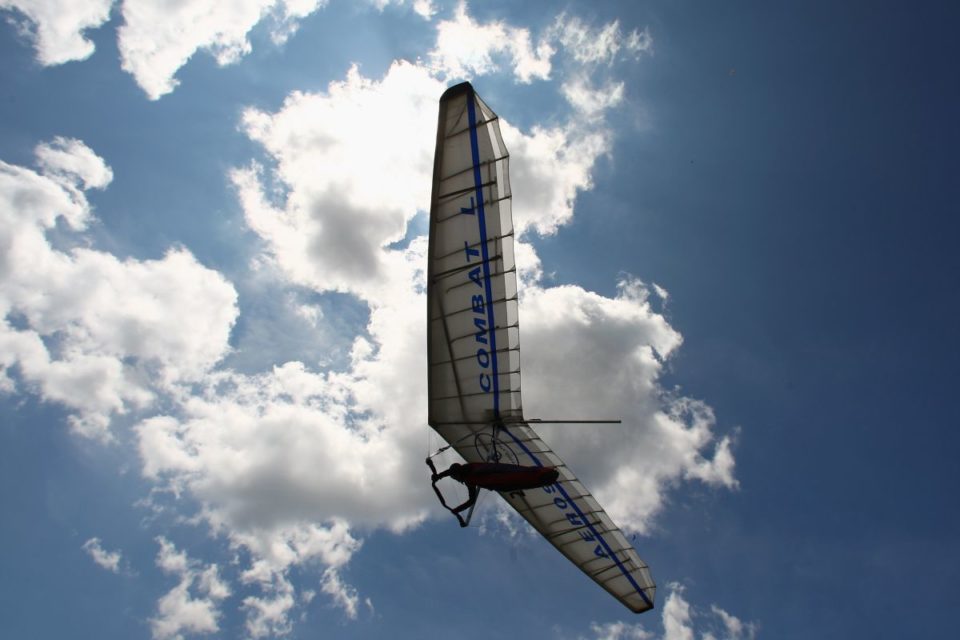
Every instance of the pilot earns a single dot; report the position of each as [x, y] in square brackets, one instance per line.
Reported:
[495, 476]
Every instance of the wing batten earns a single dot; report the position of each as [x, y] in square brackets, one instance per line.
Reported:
[474, 374]
[479, 123]
[460, 192]
[483, 163]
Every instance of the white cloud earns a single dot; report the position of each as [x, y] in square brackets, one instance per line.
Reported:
[619, 631]
[88, 330]
[662, 293]
[159, 36]
[270, 455]
[465, 48]
[590, 46]
[288, 464]
[677, 617]
[269, 615]
[192, 605]
[681, 621]
[333, 143]
[57, 26]
[497, 518]
[591, 86]
[733, 627]
[290, 445]
[618, 346]
[286, 446]
[423, 8]
[342, 594]
[274, 551]
[73, 164]
[354, 159]
[589, 100]
[109, 560]
[353, 177]
[170, 560]
[548, 168]
[639, 42]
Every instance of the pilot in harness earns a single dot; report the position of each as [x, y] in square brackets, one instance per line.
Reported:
[494, 476]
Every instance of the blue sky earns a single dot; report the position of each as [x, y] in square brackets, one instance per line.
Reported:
[213, 415]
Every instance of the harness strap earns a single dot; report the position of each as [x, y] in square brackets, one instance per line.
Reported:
[471, 502]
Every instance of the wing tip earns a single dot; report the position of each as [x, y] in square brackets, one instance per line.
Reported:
[456, 90]
[646, 604]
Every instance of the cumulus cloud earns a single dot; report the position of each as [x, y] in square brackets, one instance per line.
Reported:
[343, 181]
[598, 45]
[553, 164]
[733, 627]
[343, 594]
[290, 463]
[268, 615]
[423, 8]
[680, 621]
[677, 617]
[619, 345]
[56, 26]
[465, 48]
[73, 164]
[619, 631]
[275, 550]
[354, 160]
[159, 36]
[109, 560]
[590, 85]
[192, 606]
[589, 100]
[286, 446]
[83, 327]
[354, 176]
[269, 455]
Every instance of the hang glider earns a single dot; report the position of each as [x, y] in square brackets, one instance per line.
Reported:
[473, 336]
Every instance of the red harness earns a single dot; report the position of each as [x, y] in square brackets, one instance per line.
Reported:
[499, 476]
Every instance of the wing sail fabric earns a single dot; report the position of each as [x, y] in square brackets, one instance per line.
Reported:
[568, 516]
[473, 347]
[472, 289]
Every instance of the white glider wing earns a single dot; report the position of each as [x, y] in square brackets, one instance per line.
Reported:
[473, 340]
